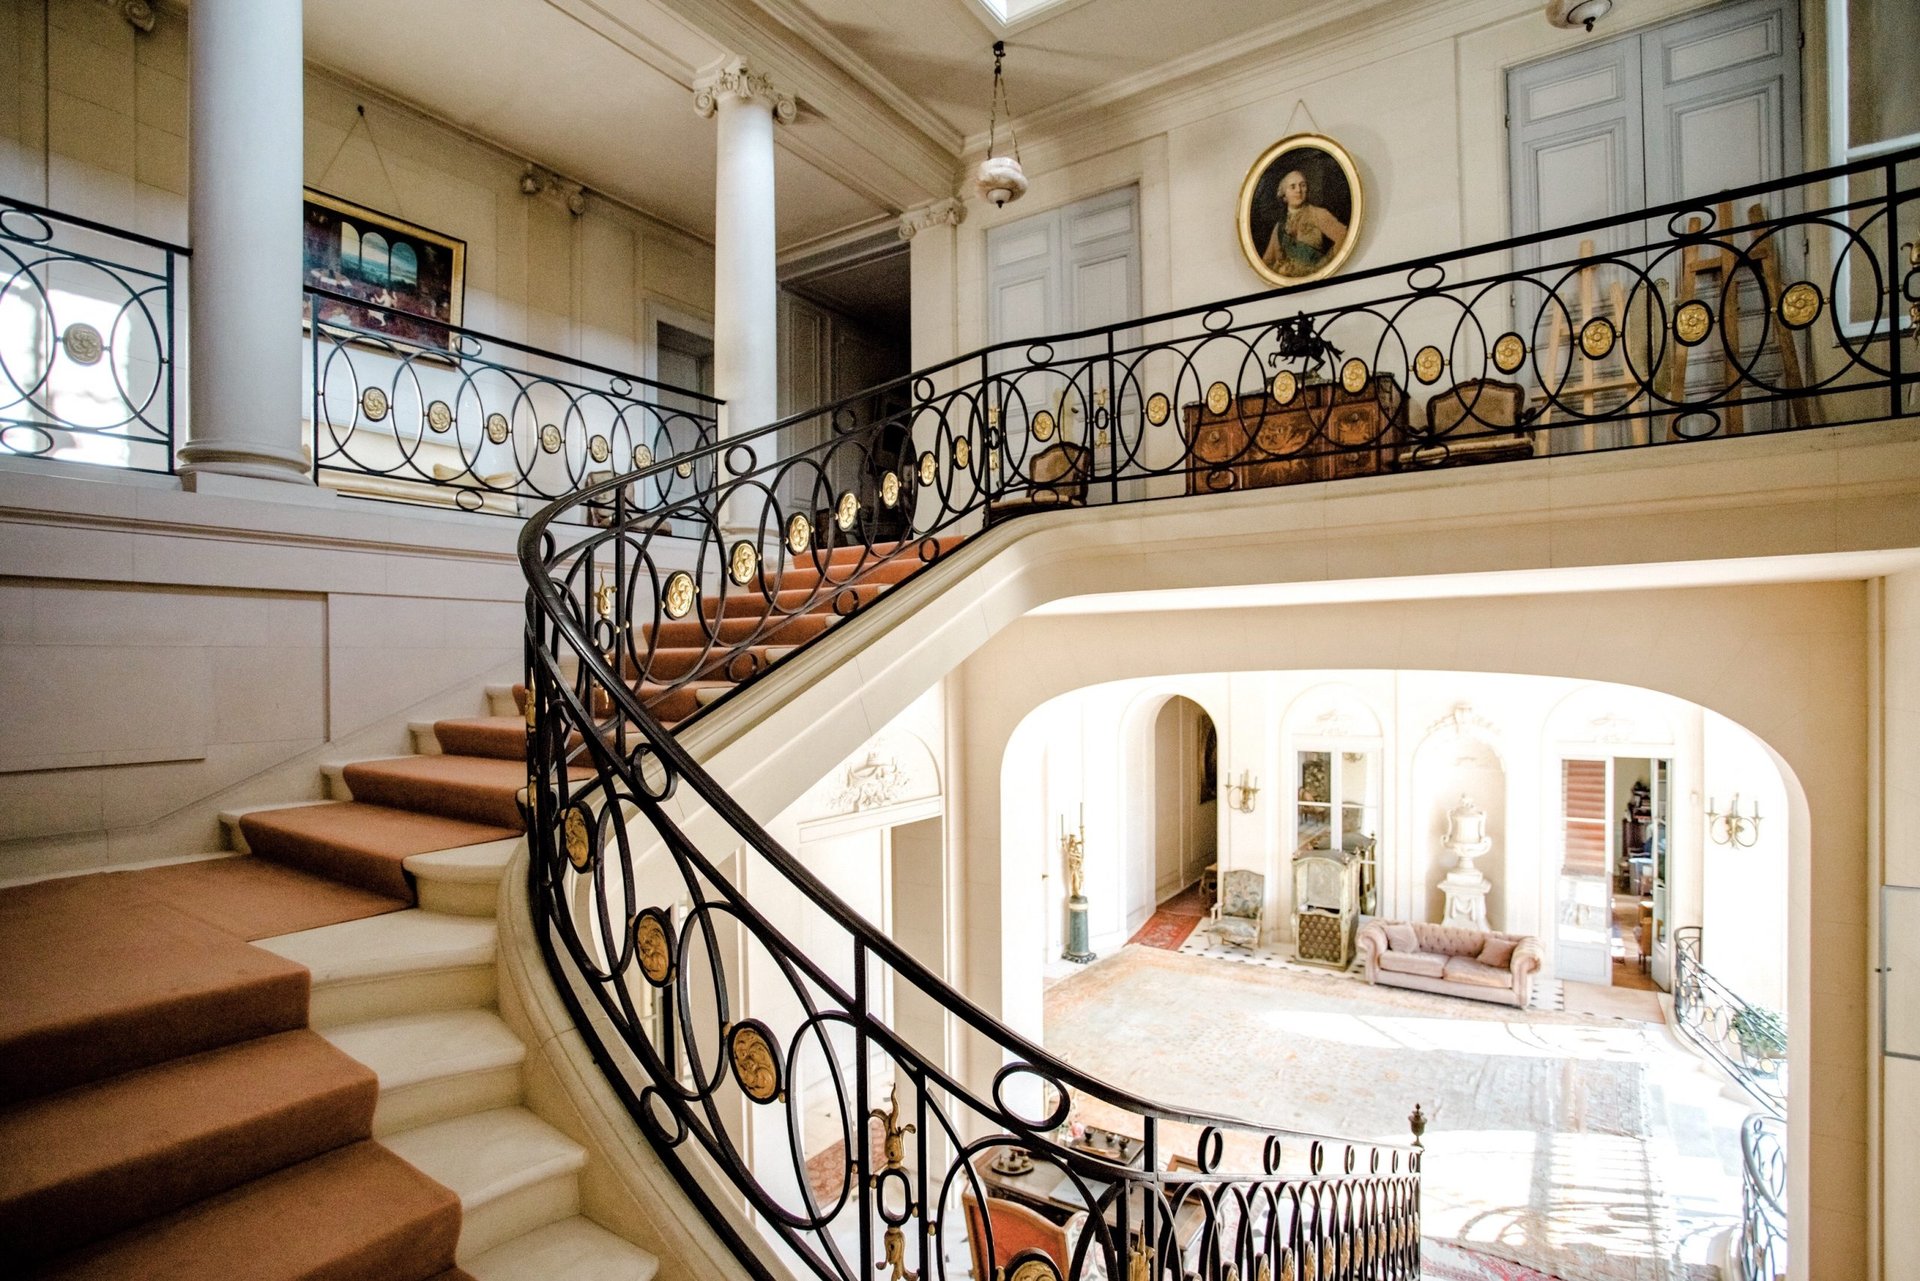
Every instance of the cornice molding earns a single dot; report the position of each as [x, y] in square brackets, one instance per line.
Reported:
[1321, 43]
[950, 212]
[735, 79]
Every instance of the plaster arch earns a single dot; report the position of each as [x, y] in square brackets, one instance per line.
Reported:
[1785, 661]
[1479, 769]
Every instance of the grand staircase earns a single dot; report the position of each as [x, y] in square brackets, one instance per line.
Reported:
[291, 1064]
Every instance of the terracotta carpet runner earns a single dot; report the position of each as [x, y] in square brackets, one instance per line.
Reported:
[1176, 918]
[165, 1113]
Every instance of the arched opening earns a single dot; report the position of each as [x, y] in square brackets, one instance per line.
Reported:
[1168, 868]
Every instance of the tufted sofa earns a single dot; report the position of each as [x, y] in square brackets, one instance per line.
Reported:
[1451, 960]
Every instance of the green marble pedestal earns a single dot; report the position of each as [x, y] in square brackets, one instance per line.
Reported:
[1078, 950]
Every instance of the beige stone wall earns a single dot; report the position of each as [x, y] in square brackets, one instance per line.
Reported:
[1898, 768]
[167, 654]
[93, 121]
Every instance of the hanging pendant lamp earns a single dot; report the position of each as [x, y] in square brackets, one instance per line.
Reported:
[1000, 179]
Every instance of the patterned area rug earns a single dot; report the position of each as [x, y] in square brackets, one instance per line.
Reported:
[1545, 1144]
[1440, 1261]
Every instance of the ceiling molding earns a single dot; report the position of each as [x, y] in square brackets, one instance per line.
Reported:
[810, 29]
[650, 222]
[1324, 41]
[848, 244]
[611, 28]
[867, 126]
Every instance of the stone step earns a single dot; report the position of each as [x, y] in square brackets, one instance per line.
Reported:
[576, 1249]
[513, 1172]
[464, 881]
[407, 962]
[435, 1066]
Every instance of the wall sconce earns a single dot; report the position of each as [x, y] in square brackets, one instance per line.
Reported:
[1733, 828]
[1240, 795]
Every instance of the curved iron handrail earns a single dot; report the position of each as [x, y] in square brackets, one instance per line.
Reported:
[1747, 1042]
[659, 604]
[1762, 1250]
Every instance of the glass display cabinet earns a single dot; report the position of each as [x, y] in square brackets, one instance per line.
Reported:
[1337, 807]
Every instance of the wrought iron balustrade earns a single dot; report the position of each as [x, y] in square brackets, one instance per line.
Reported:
[1777, 307]
[1749, 1042]
[416, 410]
[88, 318]
[1762, 1252]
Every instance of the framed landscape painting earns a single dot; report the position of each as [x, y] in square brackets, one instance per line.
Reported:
[1300, 209]
[394, 279]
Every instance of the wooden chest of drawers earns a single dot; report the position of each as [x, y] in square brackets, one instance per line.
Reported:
[1324, 433]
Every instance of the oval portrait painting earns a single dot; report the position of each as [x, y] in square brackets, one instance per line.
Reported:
[1300, 209]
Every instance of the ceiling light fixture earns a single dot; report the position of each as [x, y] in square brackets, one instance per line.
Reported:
[1577, 13]
[1000, 179]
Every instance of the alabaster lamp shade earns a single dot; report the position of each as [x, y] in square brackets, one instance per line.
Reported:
[1000, 180]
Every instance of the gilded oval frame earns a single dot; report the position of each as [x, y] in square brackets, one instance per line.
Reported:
[1243, 218]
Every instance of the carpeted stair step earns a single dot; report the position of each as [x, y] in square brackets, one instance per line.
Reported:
[673, 704]
[100, 979]
[499, 737]
[688, 633]
[577, 1249]
[356, 1212]
[402, 963]
[255, 898]
[875, 569]
[435, 1066]
[514, 1172]
[475, 789]
[365, 843]
[90, 1161]
[784, 603]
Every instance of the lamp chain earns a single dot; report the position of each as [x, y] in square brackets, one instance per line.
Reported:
[998, 101]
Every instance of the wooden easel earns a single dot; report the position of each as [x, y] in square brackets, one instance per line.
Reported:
[1588, 383]
[1720, 259]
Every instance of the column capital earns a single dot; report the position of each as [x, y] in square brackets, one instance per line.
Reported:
[734, 78]
[950, 212]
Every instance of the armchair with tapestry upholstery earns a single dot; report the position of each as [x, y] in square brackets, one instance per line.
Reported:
[1059, 474]
[1241, 909]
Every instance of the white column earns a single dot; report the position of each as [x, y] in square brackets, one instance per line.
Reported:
[746, 365]
[244, 216]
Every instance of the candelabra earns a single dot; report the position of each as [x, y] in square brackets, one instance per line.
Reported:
[1733, 828]
[1240, 795]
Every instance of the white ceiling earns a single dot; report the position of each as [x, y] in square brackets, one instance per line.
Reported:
[600, 90]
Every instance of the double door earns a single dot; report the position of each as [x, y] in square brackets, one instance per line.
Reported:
[1685, 109]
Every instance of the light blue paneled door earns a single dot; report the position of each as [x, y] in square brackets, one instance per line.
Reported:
[1682, 110]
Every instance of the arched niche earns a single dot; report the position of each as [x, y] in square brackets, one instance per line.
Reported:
[1332, 746]
[1458, 756]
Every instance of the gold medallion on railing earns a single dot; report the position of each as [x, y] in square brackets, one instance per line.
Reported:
[642, 457]
[550, 438]
[962, 453]
[650, 946]
[1043, 425]
[799, 534]
[579, 843]
[1800, 305]
[373, 403]
[929, 468]
[1509, 352]
[1353, 376]
[683, 468]
[890, 489]
[755, 1065]
[1284, 387]
[439, 415]
[1596, 338]
[1159, 408]
[1692, 322]
[497, 429]
[744, 559]
[1428, 364]
[993, 415]
[82, 343]
[598, 449]
[1219, 396]
[847, 511]
[678, 598]
[1031, 1269]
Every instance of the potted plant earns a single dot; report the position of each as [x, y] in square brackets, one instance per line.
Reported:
[1763, 1039]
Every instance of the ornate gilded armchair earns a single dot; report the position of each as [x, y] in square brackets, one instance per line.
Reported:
[1241, 908]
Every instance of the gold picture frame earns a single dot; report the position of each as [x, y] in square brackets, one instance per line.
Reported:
[412, 294]
[1289, 241]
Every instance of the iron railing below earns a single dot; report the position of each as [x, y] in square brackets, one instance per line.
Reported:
[88, 323]
[413, 409]
[1747, 1041]
[1762, 1252]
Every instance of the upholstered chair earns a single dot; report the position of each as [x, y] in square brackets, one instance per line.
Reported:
[1241, 908]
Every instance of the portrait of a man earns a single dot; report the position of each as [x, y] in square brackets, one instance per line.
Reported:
[1299, 210]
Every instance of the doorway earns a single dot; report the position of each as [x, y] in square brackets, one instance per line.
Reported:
[1170, 884]
[1613, 894]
